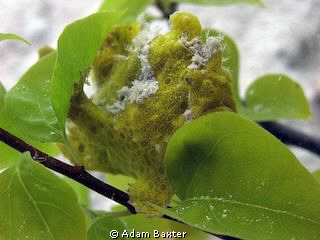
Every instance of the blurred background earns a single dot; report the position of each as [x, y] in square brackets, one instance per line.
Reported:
[282, 37]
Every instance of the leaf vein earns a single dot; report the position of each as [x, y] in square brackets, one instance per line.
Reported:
[277, 211]
[34, 203]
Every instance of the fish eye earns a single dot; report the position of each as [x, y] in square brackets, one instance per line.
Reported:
[187, 79]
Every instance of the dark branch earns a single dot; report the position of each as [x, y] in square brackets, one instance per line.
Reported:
[77, 173]
[291, 136]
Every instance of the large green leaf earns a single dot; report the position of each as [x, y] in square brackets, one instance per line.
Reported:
[77, 47]
[11, 36]
[275, 96]
[134, 8]
[220, 2]
[28, 105]
[230, 57]
[36, 204]
[235, 178]
[8, 155]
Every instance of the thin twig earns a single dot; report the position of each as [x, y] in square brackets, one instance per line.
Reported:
[291, 136]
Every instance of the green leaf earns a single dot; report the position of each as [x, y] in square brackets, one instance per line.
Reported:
[220, 2]
[36, 204]
[8, 36]
[275, 96]
[8, 155]
[235, 178]
[100, 229]
[82, 191]
[231, 58]
[28, 106]
[134, 8]
[316, 174]
[77, 47]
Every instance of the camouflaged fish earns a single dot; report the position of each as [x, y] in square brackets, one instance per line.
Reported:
[148, 86]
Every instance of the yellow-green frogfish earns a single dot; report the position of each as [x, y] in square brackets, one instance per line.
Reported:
[148, 85]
